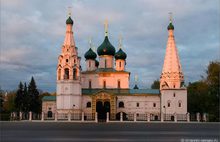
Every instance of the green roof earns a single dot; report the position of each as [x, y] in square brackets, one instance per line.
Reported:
[123, 91]
[69, 21]
[170, 26]
[49, 98]
[106, 48]
[120, 55]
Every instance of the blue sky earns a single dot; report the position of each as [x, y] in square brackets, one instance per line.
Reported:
[32, 32]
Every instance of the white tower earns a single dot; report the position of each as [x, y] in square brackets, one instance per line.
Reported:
[68, 74]
[173, 92]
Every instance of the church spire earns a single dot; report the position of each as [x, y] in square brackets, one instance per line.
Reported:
[69, 38]
[172, 75]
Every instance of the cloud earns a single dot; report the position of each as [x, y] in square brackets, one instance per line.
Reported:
[32, 33]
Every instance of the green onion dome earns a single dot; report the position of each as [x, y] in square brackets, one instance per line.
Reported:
[170, 26]
[96, 63]
[90, 54]
[69, 21]
[106, 48]
[120, 55]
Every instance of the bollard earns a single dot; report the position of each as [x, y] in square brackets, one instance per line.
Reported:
[96, 117]
[30, 116]
[56, 115]
[204, 117]
[198, 117]
[107, 117]
[121, 116]
[135, 117]
[83, 117]
[148, 117]
[42, 116]
[161, 117]
[69, 116]
[188, 117]
[175, 117]
[20, 115]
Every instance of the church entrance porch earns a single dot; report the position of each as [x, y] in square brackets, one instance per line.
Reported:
[102, 107]
[103, 102]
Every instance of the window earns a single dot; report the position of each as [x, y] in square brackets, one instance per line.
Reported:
[104, 84]
[119, 64]
[119, 84]
[137, 104]
[174, 95]
[67, 60]
[121, 104]
[105, 63]
[59, 74]
[74, 74]
[154, 104]
[90, 84]
[66, 75]
[168, 103]
[89, 64]
[180, 103]
[88, 105]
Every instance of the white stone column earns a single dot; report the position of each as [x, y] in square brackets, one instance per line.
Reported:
[148, 117]
[56, 115]
[20, 115]
[121, 116]
[42, 116]
[83, 117]
[188, 117]
[96, 117]
[69, 116]
[30, 116]
[204, 117]
[198, 117]
[175, 117]
[107, 117]
[135, 117]
[161, 117]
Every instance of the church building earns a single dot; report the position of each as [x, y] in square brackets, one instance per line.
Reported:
[104, 86]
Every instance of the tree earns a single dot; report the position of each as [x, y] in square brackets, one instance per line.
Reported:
[34, 97]
[9, 104]
[26, 99]
[156, 84]
[1, 100]
[19, 97]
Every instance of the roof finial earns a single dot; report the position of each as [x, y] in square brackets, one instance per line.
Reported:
[69, 11]
[106, 27]
[120, 41]
[90, 42]
[136, 79]
[171, 17]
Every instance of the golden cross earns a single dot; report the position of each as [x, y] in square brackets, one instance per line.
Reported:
[120, 41]
[171, 16]
[106, 27]
[69, 10]
[136, 79]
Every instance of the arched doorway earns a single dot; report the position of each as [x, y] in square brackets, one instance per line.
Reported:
[49, 114]
[102, 108]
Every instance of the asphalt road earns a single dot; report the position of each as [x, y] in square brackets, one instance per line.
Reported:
[108, 132]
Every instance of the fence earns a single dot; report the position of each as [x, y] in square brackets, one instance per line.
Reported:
[112, 117]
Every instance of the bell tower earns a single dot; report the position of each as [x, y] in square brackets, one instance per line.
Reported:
[173, 91]
[68, 73]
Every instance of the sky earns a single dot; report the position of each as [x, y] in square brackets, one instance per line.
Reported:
[32, 33]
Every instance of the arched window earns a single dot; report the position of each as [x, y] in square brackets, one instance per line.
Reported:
[137, 104]
[104, 84]
[154, 104]
[59, 74]
[168, 103]
[119, 84]
[180, 103]
[67, 60]
[66, 75]
[74, 74]
[105, 63]
[174, 94]
[121, 104]
[119, 64]
[89, 64]
[90, 84]
[88, 105]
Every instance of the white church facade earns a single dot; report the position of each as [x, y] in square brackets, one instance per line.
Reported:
[104, 86]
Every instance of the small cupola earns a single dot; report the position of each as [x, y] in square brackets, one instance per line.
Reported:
[90, 54]
[69, 21]
[120, 55]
